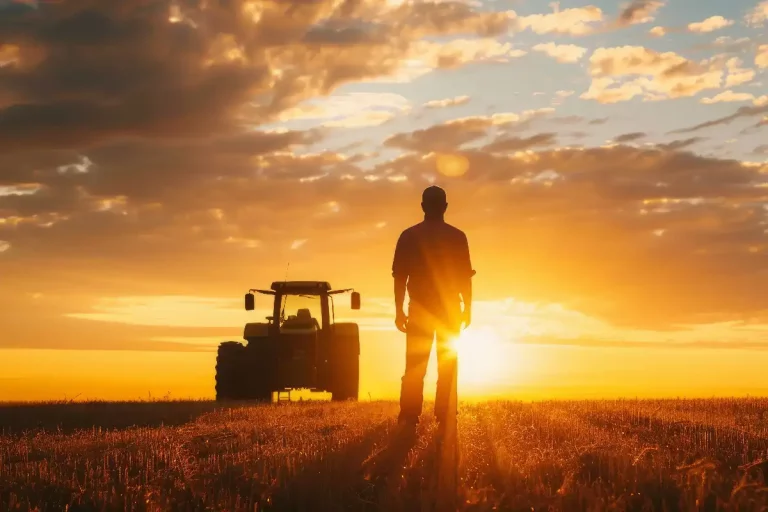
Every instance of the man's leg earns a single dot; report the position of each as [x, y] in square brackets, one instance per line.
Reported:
[447, 369]
[418, 345]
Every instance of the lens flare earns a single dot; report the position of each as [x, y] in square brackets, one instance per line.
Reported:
[452, 166]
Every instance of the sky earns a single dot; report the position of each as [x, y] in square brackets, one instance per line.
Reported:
[608, 162]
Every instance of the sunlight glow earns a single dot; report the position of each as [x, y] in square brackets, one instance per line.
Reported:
[482, 358]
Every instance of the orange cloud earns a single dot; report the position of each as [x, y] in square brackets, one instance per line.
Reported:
[576, 21]
[656, 75]
[447, 102]
[736, 74]
[562, 52]
[728, 96]
[761, 58]
[758, 16]
[710, 24]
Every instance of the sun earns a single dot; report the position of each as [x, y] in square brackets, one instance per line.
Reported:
[483, 359]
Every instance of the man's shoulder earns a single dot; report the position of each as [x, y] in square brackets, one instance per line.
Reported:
[428, 227]
[454, 230]
[407, 232]
[453, 233]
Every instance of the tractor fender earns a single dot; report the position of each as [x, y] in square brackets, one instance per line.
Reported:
[255, 330]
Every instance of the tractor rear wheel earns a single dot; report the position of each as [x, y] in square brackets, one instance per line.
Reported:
[229, 374]
[345, 367]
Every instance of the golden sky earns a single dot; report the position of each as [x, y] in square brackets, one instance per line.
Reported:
[608, 165]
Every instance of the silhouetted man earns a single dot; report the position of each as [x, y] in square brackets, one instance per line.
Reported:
[432, 261]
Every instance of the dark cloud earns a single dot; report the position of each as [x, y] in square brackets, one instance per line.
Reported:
[446, 136]
[743, 112]
[681, 144]
[507, 144]
[630, 137]
[90, 72]
[637, 10]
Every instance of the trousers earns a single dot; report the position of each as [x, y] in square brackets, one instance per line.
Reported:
[426, 327]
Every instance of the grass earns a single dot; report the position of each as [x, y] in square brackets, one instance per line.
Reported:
[657, 455]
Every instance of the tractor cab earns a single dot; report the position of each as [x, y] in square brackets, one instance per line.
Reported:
[312, 301]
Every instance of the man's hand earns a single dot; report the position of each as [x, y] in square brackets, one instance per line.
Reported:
[401, 320]
[466, 316]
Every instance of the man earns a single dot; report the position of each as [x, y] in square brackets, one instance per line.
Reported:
[432, 261]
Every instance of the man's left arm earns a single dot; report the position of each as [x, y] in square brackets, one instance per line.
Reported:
[465, 280]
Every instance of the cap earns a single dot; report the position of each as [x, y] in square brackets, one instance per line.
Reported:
[434, 195]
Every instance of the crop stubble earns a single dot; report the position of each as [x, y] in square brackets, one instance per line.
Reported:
[591, 455]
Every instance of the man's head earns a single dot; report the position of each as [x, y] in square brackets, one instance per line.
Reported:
[433, 201]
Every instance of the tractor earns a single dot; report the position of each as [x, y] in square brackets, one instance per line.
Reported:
[305, 350]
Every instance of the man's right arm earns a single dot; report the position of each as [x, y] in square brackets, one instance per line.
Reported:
[400, 275]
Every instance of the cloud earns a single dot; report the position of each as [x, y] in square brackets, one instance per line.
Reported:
[736, 74]
[710, 24]
[231, 67]
[562, 52]
[447, 102]
[560, 96]
[9, 54]
[741, 113]
[512, 144]
[458, 52]
[758, 16]
[160, 232]
[639, 11]
[658, 31]
[677, 145]
[452, 134]
[350, 110]
[138, 161]
[656, 75]
[730, 44]
[728, 96]
[629, 137]
[761, 58]
[576, 21]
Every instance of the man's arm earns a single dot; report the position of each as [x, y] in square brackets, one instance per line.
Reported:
[465, 281]
[400, 283]
[400, 275]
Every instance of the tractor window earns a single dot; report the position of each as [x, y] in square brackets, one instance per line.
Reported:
[296, 306]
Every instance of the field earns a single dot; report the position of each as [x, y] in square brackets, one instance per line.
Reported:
[660, 455]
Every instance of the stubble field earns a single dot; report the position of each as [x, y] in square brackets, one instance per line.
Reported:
[659, 455]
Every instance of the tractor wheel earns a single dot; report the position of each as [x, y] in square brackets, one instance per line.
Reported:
[229, 375]
[345, 367]
[259, 371]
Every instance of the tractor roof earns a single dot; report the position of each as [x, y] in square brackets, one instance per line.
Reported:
[302, 287]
